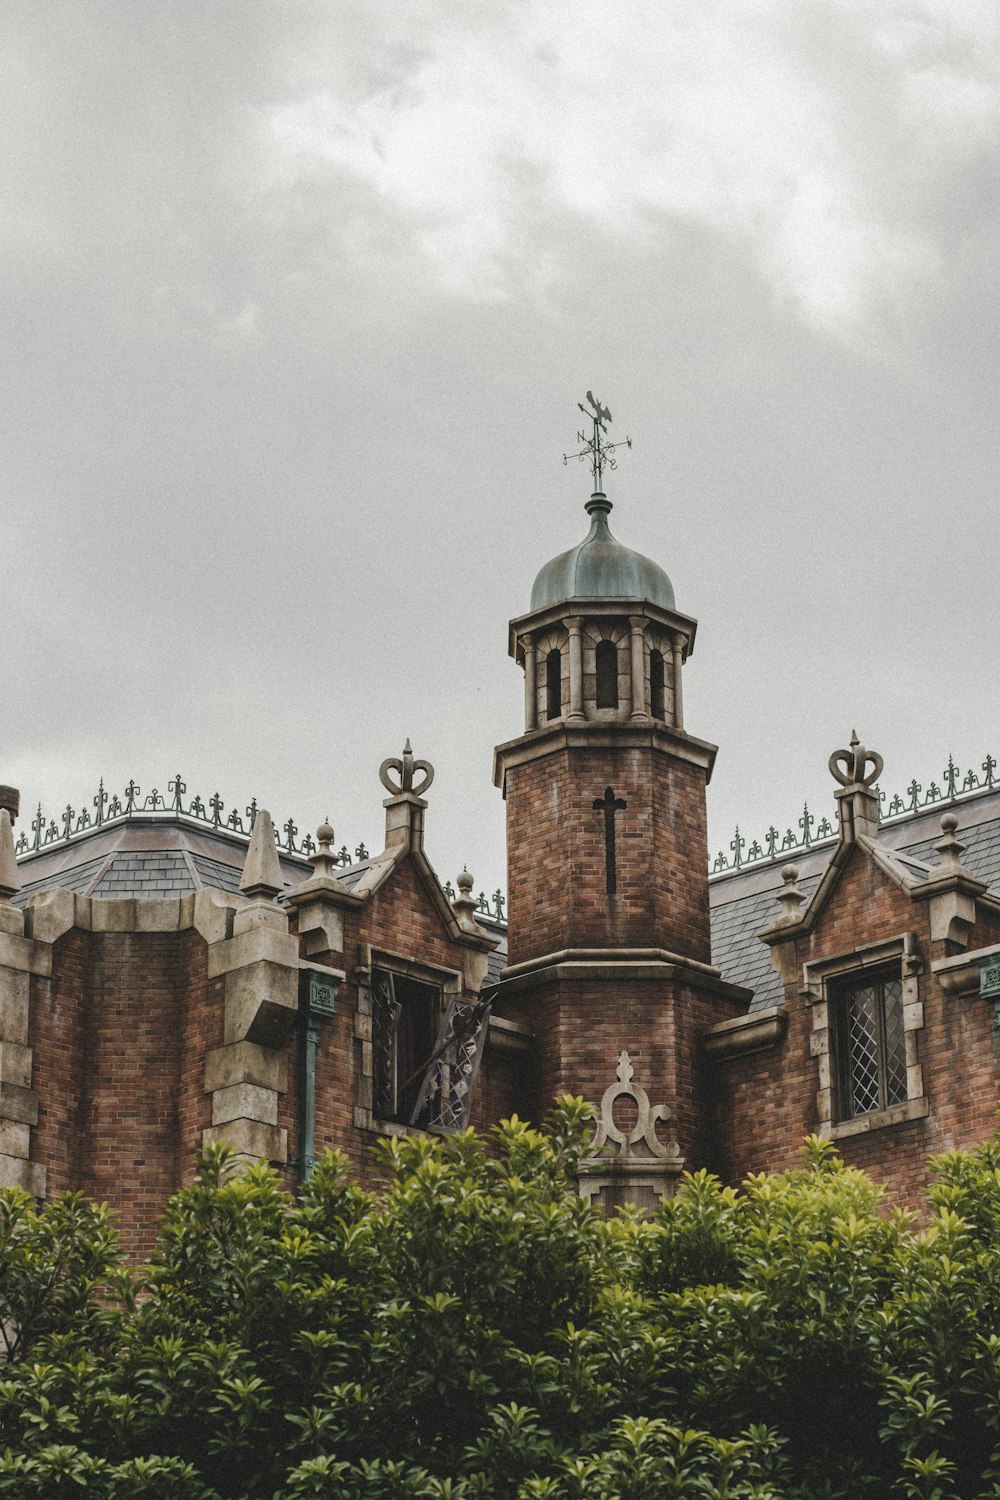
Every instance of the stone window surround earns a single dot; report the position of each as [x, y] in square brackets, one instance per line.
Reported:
[554, 639]
[449, 982]
[819, 979]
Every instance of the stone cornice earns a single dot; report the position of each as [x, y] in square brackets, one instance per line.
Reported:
[599, 608]
[594, 734]
[960, 975]
[622, 964]
[939, 885]
[510, 1037]
[323, 888]
[752, 1033]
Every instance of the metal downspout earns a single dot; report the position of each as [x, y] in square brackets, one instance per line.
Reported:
[319, 990]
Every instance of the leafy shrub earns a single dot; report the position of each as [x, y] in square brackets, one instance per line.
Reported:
[478, 1332]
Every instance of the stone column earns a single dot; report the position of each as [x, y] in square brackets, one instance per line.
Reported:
[638, 665]
[530, 685]
[574, 627]
[678, 692]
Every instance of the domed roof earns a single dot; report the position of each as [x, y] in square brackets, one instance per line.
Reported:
[601, 567]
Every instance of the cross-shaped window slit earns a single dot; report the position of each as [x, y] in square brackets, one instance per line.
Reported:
[609, 804]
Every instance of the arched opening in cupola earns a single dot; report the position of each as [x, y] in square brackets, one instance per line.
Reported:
[607, 674]
[657, 692]
[553, 685]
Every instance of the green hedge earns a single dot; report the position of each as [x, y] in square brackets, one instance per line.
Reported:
[477, 1332]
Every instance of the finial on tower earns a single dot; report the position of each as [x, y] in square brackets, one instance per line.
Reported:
[600, 453]
[262, 878]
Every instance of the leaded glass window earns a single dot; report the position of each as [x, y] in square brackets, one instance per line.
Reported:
[871, 1045]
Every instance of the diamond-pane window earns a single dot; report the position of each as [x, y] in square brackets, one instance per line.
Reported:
[871, 1045]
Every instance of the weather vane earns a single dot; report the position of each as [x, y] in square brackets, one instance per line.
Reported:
[600, 452]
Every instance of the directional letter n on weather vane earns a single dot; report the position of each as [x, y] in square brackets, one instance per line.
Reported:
[596, 448]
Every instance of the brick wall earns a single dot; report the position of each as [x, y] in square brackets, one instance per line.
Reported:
[582, 1026]
[118, 1039]
[58, 1006]
[557, 888]
[765, 1103]
[120, 1032]
[399, 919]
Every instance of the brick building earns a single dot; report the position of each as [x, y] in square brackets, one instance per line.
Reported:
[171, 974]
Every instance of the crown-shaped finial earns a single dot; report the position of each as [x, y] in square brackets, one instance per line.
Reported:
[404, 769]
[850, 767]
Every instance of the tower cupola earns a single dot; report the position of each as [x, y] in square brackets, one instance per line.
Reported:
[607, 858]
[601, 567]
[603, 641]
[603, 648]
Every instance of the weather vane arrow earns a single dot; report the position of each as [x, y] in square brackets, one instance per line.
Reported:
[596, 448]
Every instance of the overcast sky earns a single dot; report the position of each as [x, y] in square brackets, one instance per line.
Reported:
[298, 300]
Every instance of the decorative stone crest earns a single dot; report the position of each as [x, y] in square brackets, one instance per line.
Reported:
[465, 903]
[643, 1130]
[790, 897]
[10, 877]
[324, 861]
[949, 846]
[629, 1165]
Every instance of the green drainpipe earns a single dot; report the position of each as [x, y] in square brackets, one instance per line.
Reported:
[318, 1002]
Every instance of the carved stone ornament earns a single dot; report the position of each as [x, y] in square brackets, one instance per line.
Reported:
[404, 769]
[849, 766]
[608, 1134]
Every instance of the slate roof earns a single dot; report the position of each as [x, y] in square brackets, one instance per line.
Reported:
[77, 878]
[212, 873]
[165, 855]
[744, 902]
[736, 949]
[145, 874]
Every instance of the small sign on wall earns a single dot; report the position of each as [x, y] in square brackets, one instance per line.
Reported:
[321, 993]
[989, 977]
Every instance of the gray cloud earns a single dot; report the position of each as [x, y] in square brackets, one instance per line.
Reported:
[285, 407]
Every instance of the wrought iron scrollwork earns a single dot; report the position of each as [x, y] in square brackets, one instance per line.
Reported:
[45, 831]
[446, 1091]
[133, 804]
[954, 788]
